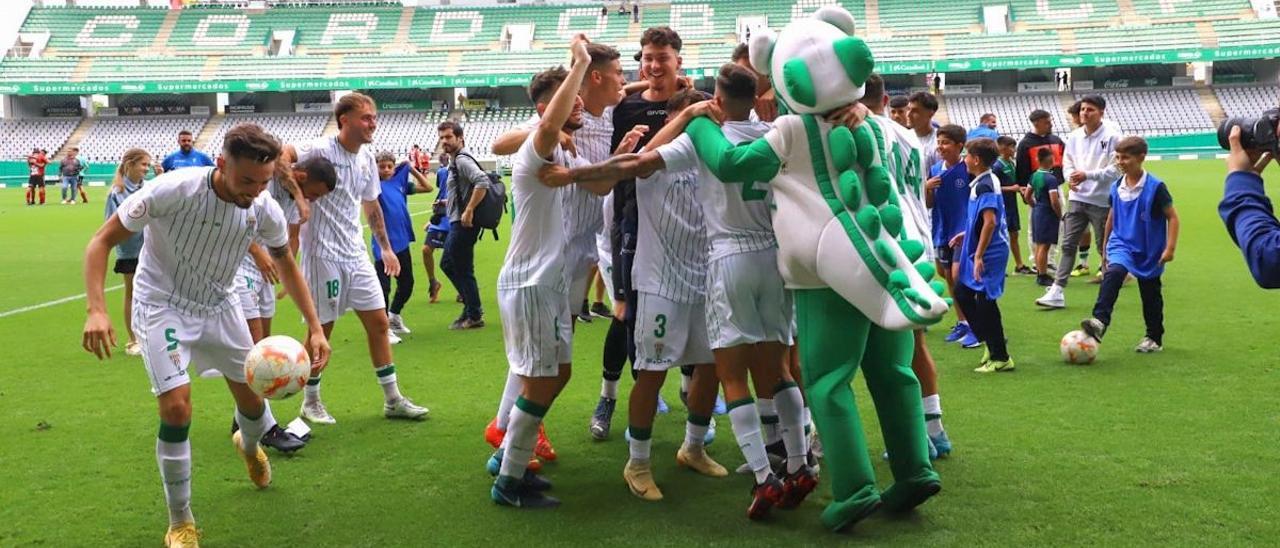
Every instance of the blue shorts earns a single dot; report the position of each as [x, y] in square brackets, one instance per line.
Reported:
[944, 254]
[435, 238]
[1044, 226]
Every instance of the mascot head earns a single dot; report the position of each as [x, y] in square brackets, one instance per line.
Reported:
[816, 64]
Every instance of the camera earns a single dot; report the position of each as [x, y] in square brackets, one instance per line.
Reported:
[1255, 133]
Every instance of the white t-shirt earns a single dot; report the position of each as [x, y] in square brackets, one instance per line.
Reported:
[194, 241]
[290, 209]
[737, 215]
[334, 232]
[671, 242]
[535, 253]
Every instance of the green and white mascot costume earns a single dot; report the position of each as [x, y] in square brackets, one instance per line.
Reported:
[851, 229]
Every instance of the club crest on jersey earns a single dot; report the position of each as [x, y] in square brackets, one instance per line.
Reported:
[138, 210]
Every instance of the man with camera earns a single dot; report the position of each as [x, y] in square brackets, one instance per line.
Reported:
[1245, 208]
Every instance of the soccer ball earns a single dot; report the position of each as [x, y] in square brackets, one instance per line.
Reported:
[277, 367]
[1078, 347]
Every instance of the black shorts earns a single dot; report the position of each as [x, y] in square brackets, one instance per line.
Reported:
[944, 254]
[435, 238]
[1012, 218]
[35, 181]
[1044, 226]
[126, 266]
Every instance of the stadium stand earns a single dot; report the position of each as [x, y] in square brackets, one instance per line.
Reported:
[1041, 14]
[1151, 112]
[107, 140]
[399, 131]
[1011, 111]
[81, 31]
[288, 127]
[1137, 38]
[18, 136]
[1247, 100]
[1181, 10]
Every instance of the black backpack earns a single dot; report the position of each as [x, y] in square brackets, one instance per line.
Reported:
[488, 213]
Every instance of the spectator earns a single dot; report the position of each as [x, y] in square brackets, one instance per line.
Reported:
[129, 174]
[36, 163]
[420, 160]
[921, 107]
[69, 170]
[1246, 211]
[986, 129]
[186, 155]
[1026, 160]
[394, 201]
[467, 186]
[437, 227]
[898, 110]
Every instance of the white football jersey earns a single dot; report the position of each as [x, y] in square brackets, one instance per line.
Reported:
[535, 253]
[334, 232]
[671, 244]
[290, 209]
[737, 214]
[583, 215]
[193, 241]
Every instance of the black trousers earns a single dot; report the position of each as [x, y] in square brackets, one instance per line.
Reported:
[459, 263]
[1152, 300]
[404, 282]
[984, 318]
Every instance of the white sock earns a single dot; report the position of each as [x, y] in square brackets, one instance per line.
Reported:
[387, 379]
[522, 434]
[746, 429]
[769, 421]
[311, 392]
[609, 389]
[685, 380]
[640, 449]
[695, 435]
[932, 414]
[174, 459]
[510, 392]
[791, 420]
[251, 430]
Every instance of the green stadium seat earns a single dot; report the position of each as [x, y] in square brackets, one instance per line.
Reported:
[98, 30]
[1166, 10]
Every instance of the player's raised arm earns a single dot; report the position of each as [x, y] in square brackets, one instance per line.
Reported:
[547, 134]
[509, 142]
[99, 335]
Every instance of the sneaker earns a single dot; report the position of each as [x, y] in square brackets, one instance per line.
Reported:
[493, 435]
[182, 535]
[1081, 269]
[710, 436]
[995, 366]
[1023, 270]
[764, 496]
[599, 309]
[1044, 280]
[1096, 280]
[434, 291]
[970, 340]
[602, 418]
[132, 348]
[1094, 327]
[467, 323]
[584, 317]
[536, 482]
[957, 332]
[796, 486]
[543, 448]
[700, 462]
[280, 440]
[392, 338]
[403, 408]
[719, 408]
[586, 309]
[519, 494]
[941, 445]
[1147, 346]
[986, 357]
[639, 478]
[397, 324]
[1053, 298]
[663, 408]
[315, 412]
[257, 464]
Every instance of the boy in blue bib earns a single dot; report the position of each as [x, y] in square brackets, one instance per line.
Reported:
[947, 193]
[983, 255]
[1141, 235]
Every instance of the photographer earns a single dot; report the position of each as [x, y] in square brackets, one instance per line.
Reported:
[1247, 212]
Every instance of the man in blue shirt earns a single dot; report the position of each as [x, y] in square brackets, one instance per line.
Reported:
[1246, 211]
[394, 201]
[186, 155]
[438, 227]
[986, 129]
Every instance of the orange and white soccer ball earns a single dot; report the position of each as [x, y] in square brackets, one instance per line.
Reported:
[1078, 347]
[277, 367]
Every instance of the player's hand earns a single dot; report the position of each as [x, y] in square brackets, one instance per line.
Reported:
[267, 267]
[956, 240]
[1167, 256]
[304, 210]
[1245, 160]
[850, 116]
[684, 82]
[466, 218]
[978, 268]
[708, 109]
[555, 175]
[619, 309]
[1076, 178]
[282, 295]
[579, 48]
[1027, 197]
[767, 107]
[629, 141]
[932, 183]
[391, 263]
[99, 335]
[318, 349]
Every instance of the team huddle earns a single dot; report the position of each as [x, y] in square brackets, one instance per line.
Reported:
[617, 178]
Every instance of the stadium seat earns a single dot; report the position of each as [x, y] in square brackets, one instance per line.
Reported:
[1150, 112]
[1247, 100]
[19, 135]
[1011, 111]
[108, 138]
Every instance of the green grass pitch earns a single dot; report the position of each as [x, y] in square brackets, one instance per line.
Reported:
[1172, 448]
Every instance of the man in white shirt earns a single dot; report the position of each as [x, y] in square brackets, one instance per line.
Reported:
[1089, 167]
[198, 224]
[334, 257]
